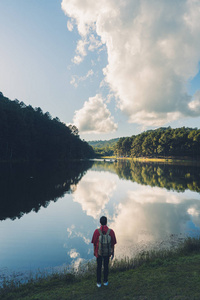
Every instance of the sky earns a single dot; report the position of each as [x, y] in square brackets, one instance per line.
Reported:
[113, 68]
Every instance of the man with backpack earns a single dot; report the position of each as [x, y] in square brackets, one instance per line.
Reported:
[104, 241]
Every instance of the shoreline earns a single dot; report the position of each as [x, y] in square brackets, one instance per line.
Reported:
[155, 159]
[151, 275]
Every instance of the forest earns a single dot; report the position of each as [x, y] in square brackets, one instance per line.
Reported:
[28, 134]
[104, 148]
[163, 142]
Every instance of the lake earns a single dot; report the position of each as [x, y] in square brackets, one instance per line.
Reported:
[48, 213]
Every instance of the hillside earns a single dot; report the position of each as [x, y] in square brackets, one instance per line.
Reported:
[28, 134]
[103, 144]
[104, 148]
[162, 142]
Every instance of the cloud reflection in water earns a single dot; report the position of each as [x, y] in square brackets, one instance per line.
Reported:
[151, 215]
[142, 216]
[93, 192]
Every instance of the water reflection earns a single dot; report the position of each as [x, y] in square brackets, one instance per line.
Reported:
[153, 215]
[146, 205]
[170, 176]
[24, 188]
[142, 216]
[94, 192]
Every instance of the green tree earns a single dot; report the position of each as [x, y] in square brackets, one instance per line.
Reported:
[30, 134]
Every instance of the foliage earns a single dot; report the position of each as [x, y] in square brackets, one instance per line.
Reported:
[104, 148]
[162, 142]
[29, 134]
[101, 144]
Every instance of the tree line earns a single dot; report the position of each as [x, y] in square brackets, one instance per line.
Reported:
[162, 142]
[28, 134]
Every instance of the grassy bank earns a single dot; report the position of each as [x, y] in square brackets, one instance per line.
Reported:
[152, 275]
[155, 159]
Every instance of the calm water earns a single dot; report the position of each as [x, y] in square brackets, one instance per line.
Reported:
[48, 213]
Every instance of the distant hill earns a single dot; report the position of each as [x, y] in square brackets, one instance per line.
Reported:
[103, 144]
[104, 148]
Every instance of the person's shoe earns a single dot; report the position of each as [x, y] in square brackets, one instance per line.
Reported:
[105, 283]
[98, 285]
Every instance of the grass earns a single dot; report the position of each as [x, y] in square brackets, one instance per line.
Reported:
[172, 274]
[155, 159]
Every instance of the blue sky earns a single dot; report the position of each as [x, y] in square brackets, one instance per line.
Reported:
[113, 68]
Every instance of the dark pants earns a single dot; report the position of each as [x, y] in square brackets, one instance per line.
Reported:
[105, 259]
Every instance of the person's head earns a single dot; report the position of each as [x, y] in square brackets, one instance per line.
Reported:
[103, 220]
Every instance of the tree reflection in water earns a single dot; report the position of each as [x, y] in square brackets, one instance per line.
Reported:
[170, 176]
[25, 187]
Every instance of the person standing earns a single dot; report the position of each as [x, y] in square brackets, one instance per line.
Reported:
[104, 241]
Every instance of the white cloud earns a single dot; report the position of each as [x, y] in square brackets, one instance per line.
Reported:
[70, 26]
[70, 230]
[73, 253]
[194, 105]
[94, 117]
[77, 59]
[90, 43]
[94, 43]
[193, 212]
[80, 51]
[153, 49]
[89, 73]
[84, 12]
[94, 192]
[76, 79]
[81, 47]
